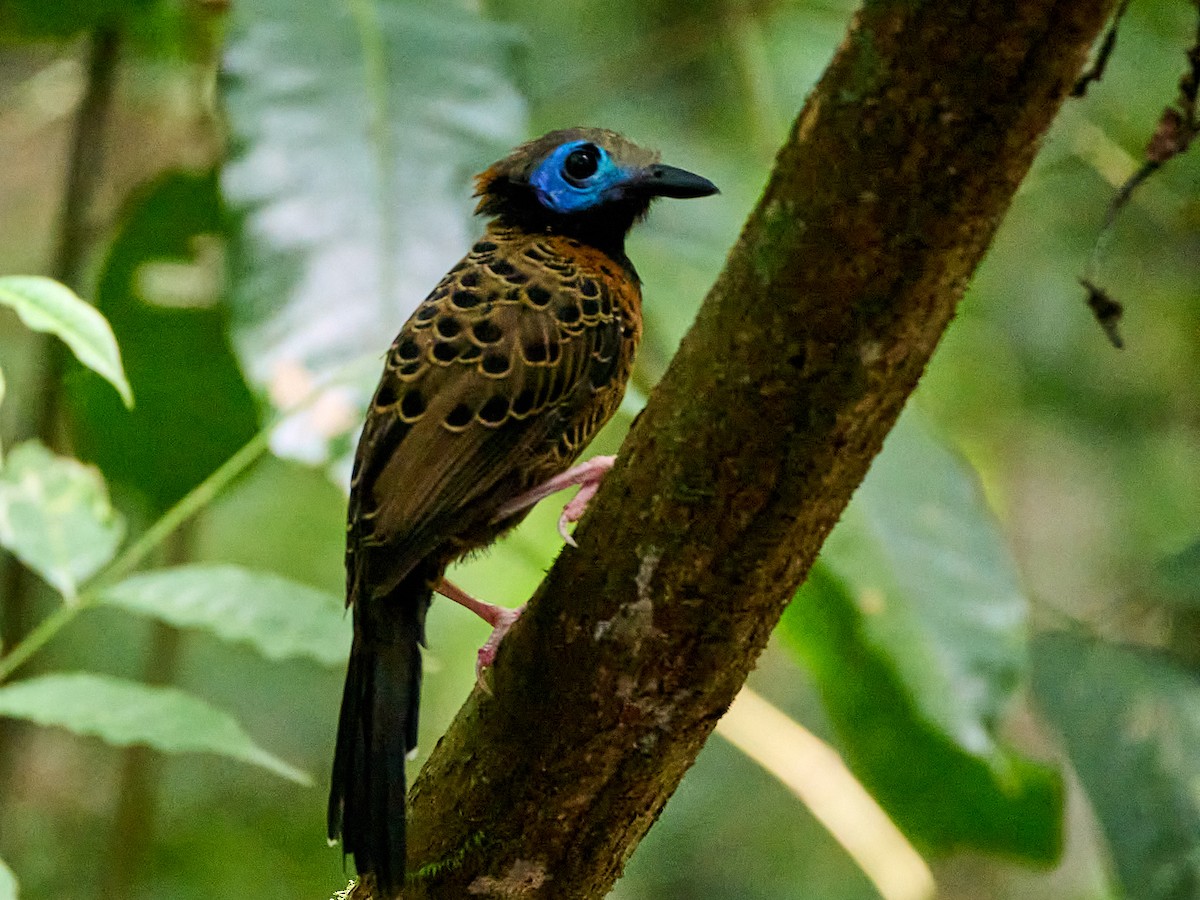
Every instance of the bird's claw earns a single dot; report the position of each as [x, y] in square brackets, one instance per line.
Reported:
[504, 620]
[575, 509]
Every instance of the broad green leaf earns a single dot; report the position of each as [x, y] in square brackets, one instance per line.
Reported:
[45, 305]
[37, 19]
[356, 129]
[126, 712]
[3, 387]
[913, 625]
[1130, 718]
[55, 516]
[279, 618]
[1177, 577]
[8, 883]
[160, 286]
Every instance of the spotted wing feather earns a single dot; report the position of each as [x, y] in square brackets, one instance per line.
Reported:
[495, 383]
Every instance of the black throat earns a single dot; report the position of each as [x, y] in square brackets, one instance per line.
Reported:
[516, 205]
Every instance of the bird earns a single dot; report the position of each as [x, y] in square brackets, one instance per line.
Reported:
[489, 393]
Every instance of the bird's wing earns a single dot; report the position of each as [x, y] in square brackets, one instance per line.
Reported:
[493, 372]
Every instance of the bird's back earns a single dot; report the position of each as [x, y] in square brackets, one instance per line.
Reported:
[495, 384]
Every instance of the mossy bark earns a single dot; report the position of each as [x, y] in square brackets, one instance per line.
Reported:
[882, 203]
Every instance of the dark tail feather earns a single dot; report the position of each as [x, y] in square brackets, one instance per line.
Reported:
[377, 729]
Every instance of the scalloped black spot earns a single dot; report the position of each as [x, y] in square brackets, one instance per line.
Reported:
[494, 411]
[483, 247]
[591, 306]
[516, 277]
[459, 417]
[427, 312]
[465, 299]
[501, 268]
[471, 353]
[408, 350]
[540, 351]
[412, 405]
[588, 288]
[487, 331]
[600, 371]
[445, 352]
[386, 395]
[411, 368]
[538, 296]
[523, 402]
[495, 364]
[568, 313]
[469, 279]
[448, 327]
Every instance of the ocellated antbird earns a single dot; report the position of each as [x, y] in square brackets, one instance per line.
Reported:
[490, 391]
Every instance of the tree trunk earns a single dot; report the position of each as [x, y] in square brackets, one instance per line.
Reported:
[882, 203]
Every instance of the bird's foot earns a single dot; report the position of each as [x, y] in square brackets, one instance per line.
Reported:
[500, 618]
[588, 475]
[487, 653]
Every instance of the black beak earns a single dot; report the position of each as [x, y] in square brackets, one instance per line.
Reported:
[668, 181]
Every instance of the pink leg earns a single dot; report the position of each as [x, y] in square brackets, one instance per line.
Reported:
[587, 475]
[498, 617]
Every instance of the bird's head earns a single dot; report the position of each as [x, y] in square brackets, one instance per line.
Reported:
[586, 182]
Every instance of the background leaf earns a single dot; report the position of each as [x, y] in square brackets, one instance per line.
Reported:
[45, 305]
[356, 130]
[56, 517]
[1131, 721]
[1177, 577]
[34, 19]
[160, 286]
[913, 626]
[279, 618]
[126, 712]
[8, 883]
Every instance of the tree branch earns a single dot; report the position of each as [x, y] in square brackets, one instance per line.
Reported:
[883, 201]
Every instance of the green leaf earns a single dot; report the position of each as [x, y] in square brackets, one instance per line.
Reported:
[356, 129]
[913, 626]
[8, 883]
[55, 516]
[3, 388]
[126, 712]
[38, 20]
[1177, 577]
[279, 618]
[1131, 722]
[45, 305]
[160, 286]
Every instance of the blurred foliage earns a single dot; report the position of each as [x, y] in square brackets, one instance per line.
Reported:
[159, 287]
[1135, 746]
[913, 627]
[353, 130]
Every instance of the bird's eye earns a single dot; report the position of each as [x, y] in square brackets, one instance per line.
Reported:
[582, 163]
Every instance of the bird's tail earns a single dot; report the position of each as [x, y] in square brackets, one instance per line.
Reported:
[377, 729]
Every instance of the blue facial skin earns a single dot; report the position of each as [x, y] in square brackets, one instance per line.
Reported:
[563, 194]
